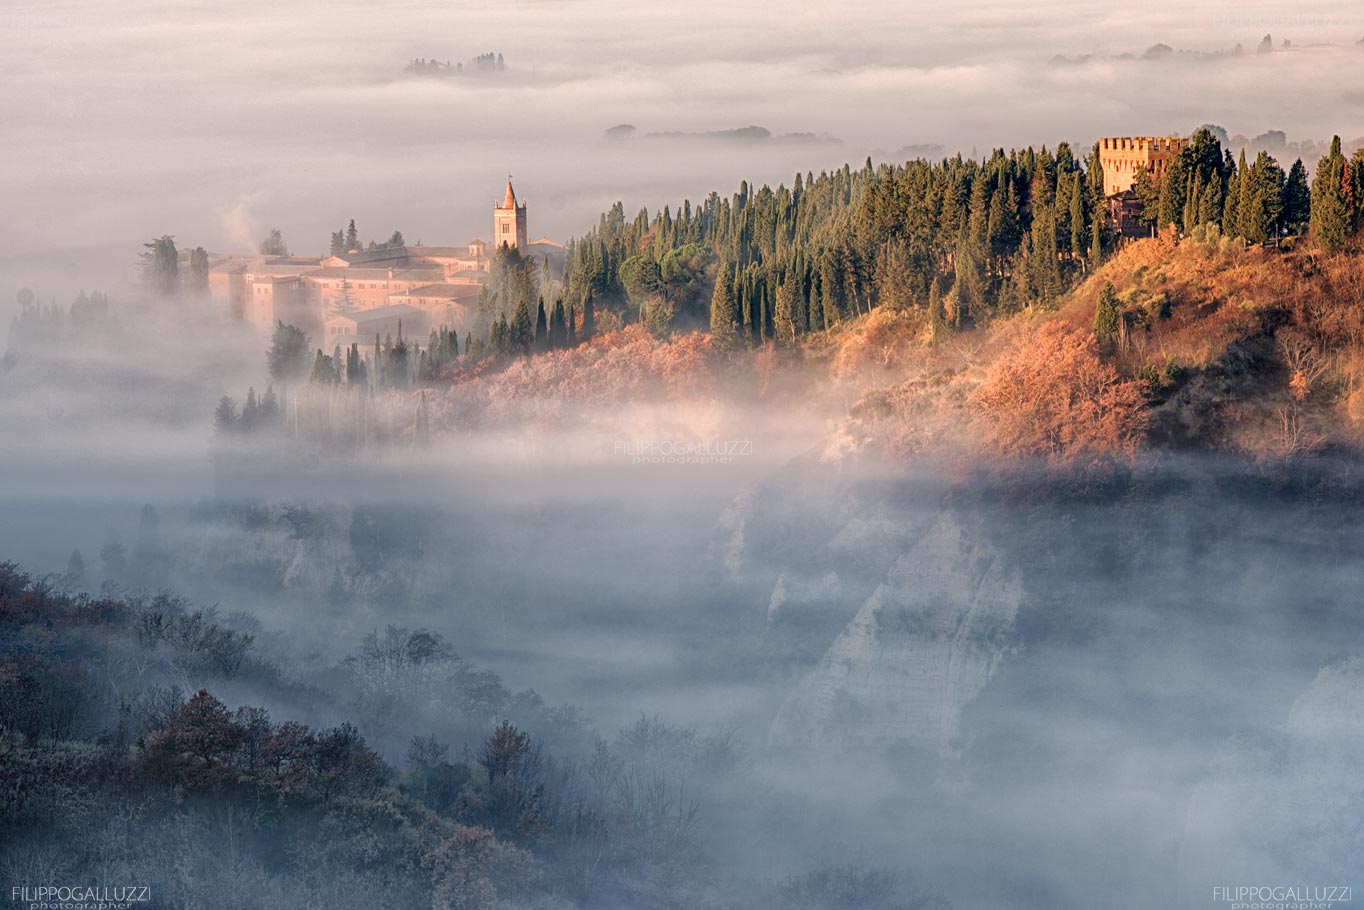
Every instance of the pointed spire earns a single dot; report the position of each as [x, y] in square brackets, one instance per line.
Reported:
[509, 201]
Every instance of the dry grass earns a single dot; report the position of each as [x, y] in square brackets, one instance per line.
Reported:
[1250, 350]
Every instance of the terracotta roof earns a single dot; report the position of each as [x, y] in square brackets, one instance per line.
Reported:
[262, 273]
[379, 255]
[354, 274]
[440, 252]
[294, 260]
[362, 317]
[451, 291]
[509, 200]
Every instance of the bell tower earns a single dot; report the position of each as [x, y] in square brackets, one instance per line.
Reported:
[509, 221]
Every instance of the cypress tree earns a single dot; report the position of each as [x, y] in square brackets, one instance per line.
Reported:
[830, 287]
[784, 307]
[1046, 277]
[1245, 216]
[541, 327]
[558, 330]
[250, 412]
[589, 315]
[937, 314]
[1330, 221]
[1077, 220]
[522, 332]
[723, 310]
[1296, 201]
[1106, 317]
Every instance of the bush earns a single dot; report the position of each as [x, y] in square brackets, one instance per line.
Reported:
[1051, 395]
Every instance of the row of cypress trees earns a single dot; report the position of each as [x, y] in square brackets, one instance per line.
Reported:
[964, 239]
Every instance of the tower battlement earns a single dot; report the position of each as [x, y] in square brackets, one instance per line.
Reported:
[1121, 156]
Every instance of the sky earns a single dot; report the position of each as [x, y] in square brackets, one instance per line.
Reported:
[216, 121]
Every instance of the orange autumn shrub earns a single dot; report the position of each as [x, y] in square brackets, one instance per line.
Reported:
[1050, 394]
[613, 369]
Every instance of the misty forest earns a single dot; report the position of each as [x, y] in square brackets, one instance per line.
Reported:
[964, 522]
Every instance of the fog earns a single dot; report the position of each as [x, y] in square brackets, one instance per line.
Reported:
[1146, 696]
[1139, 650]
[216, 122]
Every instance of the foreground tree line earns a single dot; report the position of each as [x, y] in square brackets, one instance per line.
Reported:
[126, 759]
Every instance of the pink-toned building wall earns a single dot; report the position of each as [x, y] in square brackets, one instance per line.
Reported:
[273, 299]
[1121, 157]
[364, 288]
[228, 289]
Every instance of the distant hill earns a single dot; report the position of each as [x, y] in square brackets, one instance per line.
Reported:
[753, 134]
[480, 65]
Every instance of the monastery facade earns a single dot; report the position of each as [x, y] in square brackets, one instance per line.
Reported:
[332, 296]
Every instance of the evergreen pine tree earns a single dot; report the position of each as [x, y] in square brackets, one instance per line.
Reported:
[522, 332]
[1106, 317]
[783, 315]
[541, 327]
[937, 313]
[1297, 200]
[269, 407]
[250, 411]
[1077, 220]
[1330, 220]
[830, 289]
[558, 328]
[225, 415]
[198, 274]
[589, 317]
[1046, 269]
[1243, 206]
[160, 267]
[723, 308]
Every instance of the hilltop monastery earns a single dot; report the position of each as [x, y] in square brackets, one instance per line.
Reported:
[358, 294]
[1121, 157]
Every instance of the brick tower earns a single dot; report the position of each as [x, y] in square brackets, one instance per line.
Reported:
[509, 221]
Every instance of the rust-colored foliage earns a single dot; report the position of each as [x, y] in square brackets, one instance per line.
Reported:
[1052, 395]
[472, 870]
[615, 368]
[205, 746]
